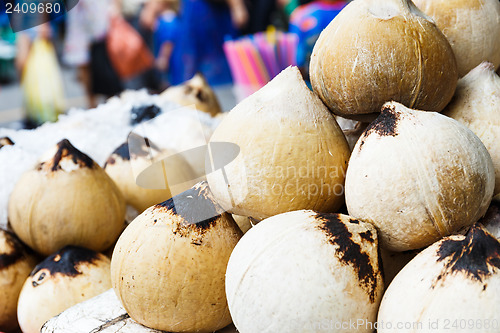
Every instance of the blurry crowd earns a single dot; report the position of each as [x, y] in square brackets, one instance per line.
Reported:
[178, 38]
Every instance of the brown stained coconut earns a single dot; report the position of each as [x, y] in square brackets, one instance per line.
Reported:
[376, 51]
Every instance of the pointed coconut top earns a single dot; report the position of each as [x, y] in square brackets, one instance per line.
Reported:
[387, 9]
[65, 157]
[479, 77]
[135, 147]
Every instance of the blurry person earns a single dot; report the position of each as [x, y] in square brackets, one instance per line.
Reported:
[307, 21]
[191, 41]
[166, 31]
[86, 28]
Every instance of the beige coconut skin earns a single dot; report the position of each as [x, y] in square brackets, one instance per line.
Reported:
[293, 155]
[195, 92]
[471, 26]
[124, 169]
[297, 270]
[168, 271]
[418, 176]
[15, 266]
[67, 199]
[476, 104]
[51, 289]
[457, 278]
[376, 51]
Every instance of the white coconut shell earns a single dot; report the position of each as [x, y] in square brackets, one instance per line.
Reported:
[476, 104]
[292, 153]
[471, 26]
[418, 176]
[376, 51]
[67, 199]
[454, 280]
[295, 271]
[168, 266]
[15, 266]
[101, 314]
[124, 166]
[67, 277]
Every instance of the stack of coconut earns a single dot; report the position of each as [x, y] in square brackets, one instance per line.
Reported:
[414, 198]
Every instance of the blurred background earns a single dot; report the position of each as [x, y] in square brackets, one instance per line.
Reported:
[100, 48]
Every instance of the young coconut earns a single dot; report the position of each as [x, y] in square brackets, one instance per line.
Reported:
[471, 26]
[15, 266]
[69, 276]
[293, 154]
[67, 199]
[375, 51]
[476, 104]
[293, 271]
[455, 279]
[128, 160]
[168, 266]
[440, 175]
[195, 92]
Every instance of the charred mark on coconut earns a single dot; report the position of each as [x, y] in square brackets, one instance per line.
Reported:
[65, 150]
[6, 141]
[367, 235]
[196, 207]
[142, 113]
[16, 251]
[136, 146]
[477, 255]
[384, 125]
[66, 261]
[349, 252]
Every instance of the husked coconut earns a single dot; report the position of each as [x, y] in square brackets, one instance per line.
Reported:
[15, 266]
[67, 277]
[376, 51]
[455, 280]
[418, 176]
[136, 155]
[67, 199]
[471, 26]
[292, 154]
[195, 92]
[476, 104]
[168, 266]
[295, 271]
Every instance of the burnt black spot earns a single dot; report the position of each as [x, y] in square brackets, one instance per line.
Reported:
[195, 206]
[384, 125]
[136, 146]
[5, 141]
[477, 255]
[16, 251]
[138, 114]
[66, 150]
[367, 235]
[350, 252]
[66, 261]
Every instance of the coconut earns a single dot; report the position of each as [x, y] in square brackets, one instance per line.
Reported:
[292, 153]
[67, 199]
[5, 141]
[294, 271]
[168, 266]
[375, 51]
[476, 104]
[243, 222]
[471, 26]
[67, 277]
[450, 282]
[131, 158]
[195, 92]
[418, 176]
[15, 266]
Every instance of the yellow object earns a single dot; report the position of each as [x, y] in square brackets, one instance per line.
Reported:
[42, 83]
